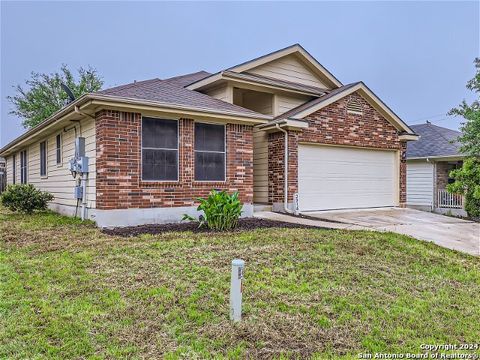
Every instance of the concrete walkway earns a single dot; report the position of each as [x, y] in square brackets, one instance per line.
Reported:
[443, 230]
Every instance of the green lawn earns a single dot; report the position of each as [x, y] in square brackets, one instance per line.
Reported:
[69, 291]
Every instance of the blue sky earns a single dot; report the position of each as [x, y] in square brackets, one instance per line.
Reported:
[416, 56]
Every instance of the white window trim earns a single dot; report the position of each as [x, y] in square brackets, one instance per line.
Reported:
[141, 152]
[217, 152]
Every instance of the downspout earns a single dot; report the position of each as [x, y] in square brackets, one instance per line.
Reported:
[285, 176]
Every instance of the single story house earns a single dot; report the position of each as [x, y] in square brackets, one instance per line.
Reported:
[429, 163]
[280, 129]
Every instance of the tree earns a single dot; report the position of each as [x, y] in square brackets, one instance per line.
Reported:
[45, 95]
[470, 138]
[467, 178]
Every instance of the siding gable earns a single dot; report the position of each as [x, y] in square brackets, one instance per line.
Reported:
[289, 68]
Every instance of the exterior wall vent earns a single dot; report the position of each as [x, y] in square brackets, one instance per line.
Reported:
[354, 107]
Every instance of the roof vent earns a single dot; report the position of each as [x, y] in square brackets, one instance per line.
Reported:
[354, 107]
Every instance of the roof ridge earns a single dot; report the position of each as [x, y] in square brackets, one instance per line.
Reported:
[181, 76]
[129, 85]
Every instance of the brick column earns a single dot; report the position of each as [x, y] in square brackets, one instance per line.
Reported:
[403, 175]
[118, 158]
[276, 168]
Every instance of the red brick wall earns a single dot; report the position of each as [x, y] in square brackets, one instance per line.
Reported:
[119, 184]
[276, 172]
[333, 125]
[403, 175]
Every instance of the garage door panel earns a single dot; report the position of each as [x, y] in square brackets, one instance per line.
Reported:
[339, 178]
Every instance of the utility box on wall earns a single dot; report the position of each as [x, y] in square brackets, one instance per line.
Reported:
[78, 192]
[79, 147]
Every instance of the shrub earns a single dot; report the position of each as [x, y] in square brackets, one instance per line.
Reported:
[467, 183]
[221, 211]
[25, 198]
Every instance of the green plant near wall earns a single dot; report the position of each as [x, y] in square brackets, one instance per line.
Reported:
[221, 211]
[25, 198]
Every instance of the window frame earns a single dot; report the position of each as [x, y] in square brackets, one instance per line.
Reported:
[24, 167]
[58, 150]
[45, 174]
[141, 150]
[14, 168]
[224, 152]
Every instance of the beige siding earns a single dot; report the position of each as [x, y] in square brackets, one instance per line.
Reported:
[220, 92]
[288, 102]
[254, 100]
[260, 166]
[289, 68]
[9, 168]
[59, 181]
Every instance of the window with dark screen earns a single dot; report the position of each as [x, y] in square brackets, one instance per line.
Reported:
[159, 149]
[23, 167]
[14, 169]
[58, 149]
[209, 152]
[43, 158]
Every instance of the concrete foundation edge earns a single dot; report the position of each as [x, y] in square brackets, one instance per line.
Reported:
[133, 217]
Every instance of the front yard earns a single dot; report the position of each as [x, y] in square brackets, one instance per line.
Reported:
[69, 291]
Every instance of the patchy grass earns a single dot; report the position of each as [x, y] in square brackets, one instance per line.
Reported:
[69, 291]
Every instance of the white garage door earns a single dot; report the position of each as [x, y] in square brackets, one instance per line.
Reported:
[332, 177]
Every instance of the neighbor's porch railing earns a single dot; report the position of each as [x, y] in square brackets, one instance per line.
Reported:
[448, 200]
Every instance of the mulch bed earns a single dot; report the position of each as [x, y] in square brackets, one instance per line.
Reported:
[243, 224]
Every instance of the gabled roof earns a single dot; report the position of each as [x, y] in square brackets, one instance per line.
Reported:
[276, 83]
[435, 141]
[292, 114]
[166, 93]
[310, 107]
[296, 49]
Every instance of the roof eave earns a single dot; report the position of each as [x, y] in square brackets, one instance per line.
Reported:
[377, 102]
[288, 124]
[70, 108]
[438, 157]
[408, 137]
[131, 103]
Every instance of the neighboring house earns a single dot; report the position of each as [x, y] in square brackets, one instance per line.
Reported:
[429, 162]
[156, 145]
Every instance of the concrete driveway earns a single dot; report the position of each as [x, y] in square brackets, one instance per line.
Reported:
[443, 230]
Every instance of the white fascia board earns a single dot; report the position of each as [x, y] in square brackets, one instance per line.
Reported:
[370, 97]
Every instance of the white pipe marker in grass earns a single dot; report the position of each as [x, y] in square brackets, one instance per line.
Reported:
[238, 267]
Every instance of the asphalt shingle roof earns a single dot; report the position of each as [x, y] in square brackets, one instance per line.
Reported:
[169, 92]
[434, 141]
[185, 80]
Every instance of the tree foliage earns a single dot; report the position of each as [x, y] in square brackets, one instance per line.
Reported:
[467, 182]
[467, 178]
[43, 94]
[470, 138]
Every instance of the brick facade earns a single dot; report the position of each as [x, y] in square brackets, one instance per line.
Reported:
[443, 171]
[276, 155]
[333, 125]
[119, 184]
